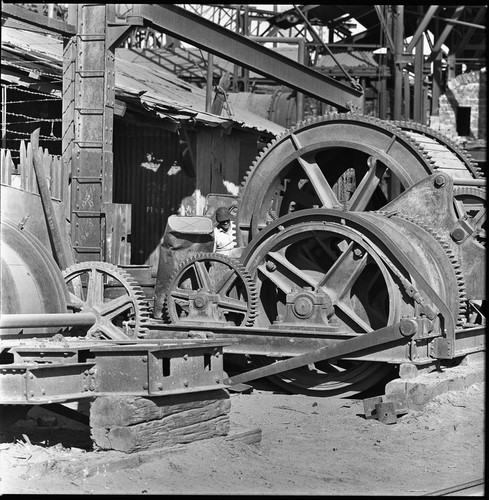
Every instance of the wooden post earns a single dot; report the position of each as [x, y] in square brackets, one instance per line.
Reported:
[60, 255]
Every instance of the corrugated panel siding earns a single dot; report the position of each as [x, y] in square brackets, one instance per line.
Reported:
[153, 194]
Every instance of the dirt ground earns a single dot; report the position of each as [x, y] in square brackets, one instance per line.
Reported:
[309, 446]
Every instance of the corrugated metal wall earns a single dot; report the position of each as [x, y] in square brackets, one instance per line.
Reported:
[155, 187]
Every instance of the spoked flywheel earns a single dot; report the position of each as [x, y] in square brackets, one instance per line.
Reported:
[326, 261]
[338, 161]
[112, 295]
[211, 288]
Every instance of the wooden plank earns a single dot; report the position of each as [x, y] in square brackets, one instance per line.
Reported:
[250, 436]
[30, 172]
[132, 424]
[61, 255]
[6, 166]
[117, 229]
[56, 176]
[46, 167]
[22, 166]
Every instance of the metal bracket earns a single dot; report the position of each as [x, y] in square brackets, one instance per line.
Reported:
[116, 32]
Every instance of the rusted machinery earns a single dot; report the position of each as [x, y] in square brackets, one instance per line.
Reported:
[364, 248]
[80, 333]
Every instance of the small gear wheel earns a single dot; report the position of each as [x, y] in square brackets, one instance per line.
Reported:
[209, 288]
[112, 295]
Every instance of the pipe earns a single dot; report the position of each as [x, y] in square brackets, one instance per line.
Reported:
[44, 320]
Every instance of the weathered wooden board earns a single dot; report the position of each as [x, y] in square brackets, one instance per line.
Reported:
[131, 424]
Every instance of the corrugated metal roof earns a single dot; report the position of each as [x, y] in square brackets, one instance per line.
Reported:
[164, 93]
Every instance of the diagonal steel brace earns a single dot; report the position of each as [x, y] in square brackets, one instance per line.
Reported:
[405, 329]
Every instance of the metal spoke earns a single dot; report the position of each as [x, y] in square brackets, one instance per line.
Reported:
[202, 274]
[180, 293]
[343, 274]
[287, 273]
[115, 307]
[353, 316]
[110, 330]
[95, 289]
[324, 191]
[367, 186]
[233, 304]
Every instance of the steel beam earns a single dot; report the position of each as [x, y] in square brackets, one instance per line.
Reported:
[445, 33]
[468, 34]
[399, 331]
[421, 27]
[44, 22]
[418, 103]
[193, 29]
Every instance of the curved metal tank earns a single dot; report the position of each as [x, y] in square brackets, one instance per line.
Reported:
[31, 281]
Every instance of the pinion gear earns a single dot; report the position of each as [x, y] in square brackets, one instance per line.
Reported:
[96, 287]
[215, 285]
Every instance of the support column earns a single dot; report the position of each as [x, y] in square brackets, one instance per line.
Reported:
[92, 157]
[398, 41]
[418, 101]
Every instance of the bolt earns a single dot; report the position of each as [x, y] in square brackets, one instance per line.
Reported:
[31, 394]
[200, 301]
[371, 161]
[185, 383]
[218, 381]
[145, 386]
[408, 327]
[31, 376]
[458, 234]
[271, 266]
[185, 357]
[358, 252]
[439, 181]
[43, 391]
[160, 387]
[144, 359]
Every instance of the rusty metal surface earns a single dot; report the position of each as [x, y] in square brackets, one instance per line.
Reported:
[31, 279]
[73, 370]
[403, 330]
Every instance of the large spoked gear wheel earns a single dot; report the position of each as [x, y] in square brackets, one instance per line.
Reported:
[112, 295]
[211, 288]
[337, 161]
[447, 155]
[350, 258]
